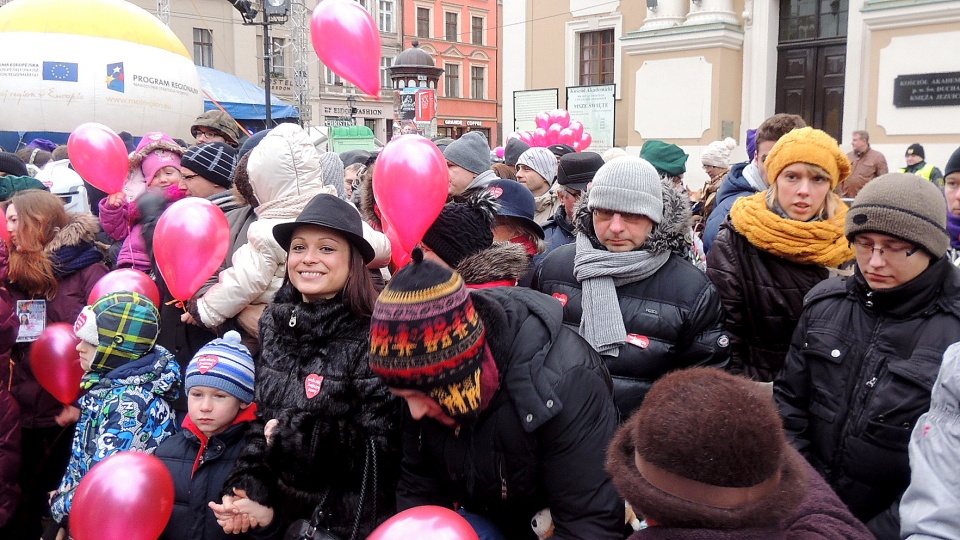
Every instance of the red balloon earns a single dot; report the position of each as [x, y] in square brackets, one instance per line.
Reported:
[190, 242]
[566, 136]
[98, 154]
[526, 137]
[128, 496]
[411, 182]
[553, 134]
[560, 116]
[125, 279]
[399, 256]
[424, 523]
[585, 141]
[4, 233]
[543, 120]
[347, 41]
[56, 362]
[577, 128]
[540, 137]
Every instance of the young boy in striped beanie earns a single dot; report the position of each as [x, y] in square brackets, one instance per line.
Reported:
[219, 386]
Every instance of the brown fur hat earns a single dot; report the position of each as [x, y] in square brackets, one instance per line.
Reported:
[719, 431]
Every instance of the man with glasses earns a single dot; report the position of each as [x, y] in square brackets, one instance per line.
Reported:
[216, 126]
[574, 172]
[626, 288]
[866, 351]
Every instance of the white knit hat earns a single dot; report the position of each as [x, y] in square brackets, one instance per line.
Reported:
[542, 161]
[717, 153]
[628, 184]
[86, 326]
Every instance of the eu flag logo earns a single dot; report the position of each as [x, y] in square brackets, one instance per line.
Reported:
[115, 77]
[60, 71]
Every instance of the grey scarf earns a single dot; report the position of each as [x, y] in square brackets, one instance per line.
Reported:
[600, 272]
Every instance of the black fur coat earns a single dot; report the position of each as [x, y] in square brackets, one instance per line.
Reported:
[324, 442]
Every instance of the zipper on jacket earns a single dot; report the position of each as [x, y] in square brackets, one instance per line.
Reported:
[503, 482]
[853, 420]
[293, 318]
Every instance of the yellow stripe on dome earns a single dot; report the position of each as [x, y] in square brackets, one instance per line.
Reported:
[114, 19]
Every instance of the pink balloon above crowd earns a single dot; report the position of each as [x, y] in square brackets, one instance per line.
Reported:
[99, 156]
[347, 41]
[556, 127]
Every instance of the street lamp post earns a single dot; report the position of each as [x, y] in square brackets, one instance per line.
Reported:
[274, 11]
[351, 103]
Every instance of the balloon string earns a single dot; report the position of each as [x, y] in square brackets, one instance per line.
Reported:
[178, 303]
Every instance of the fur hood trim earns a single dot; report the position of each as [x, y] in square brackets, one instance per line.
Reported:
[82, 228]
[669, 235]
[501, 261]
[242, 189]
[136, 157]
[368, 202]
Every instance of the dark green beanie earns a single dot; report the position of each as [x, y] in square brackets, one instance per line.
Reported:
[667, 158]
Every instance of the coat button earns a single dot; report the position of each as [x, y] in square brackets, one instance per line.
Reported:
[835, 353]
[529, 418]
[869, 303]
[549, 403]
[881, 418]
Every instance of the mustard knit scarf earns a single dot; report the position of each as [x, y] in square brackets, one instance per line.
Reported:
[804, 242]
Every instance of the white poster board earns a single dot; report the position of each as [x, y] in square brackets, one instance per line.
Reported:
[594, 107]
[528, 103]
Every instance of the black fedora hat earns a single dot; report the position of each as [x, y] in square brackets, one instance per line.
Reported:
[328, 211]
[576, 170]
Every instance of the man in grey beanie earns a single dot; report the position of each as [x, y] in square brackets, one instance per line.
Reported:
[625, 282]
[468, 159]
[867, 348]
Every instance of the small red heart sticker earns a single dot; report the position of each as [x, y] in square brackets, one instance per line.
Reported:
[561, 297]
[81, 320]
[640, 341]
[496, 192]
[312, 385]
[206, 362]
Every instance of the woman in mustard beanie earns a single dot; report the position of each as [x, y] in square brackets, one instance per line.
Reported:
[776, 245]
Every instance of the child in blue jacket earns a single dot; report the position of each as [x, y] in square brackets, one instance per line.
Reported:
[130, 382]
[219, 386]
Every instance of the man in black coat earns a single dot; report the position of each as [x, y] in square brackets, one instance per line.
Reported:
[626, 286]
[508, 412]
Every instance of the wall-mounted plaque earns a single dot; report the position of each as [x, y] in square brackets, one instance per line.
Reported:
[927, 90]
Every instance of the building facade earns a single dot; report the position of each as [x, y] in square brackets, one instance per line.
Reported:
[462, 36]
[694, 71]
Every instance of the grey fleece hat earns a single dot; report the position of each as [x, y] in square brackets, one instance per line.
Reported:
[905, 206]
[471, 151]
[628, 184]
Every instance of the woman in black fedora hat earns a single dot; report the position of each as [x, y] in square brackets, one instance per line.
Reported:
[326, 436]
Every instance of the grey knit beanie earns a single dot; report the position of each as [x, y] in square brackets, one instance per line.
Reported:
[471, 151]
[628, 184]
[512, 151]
[542, 161]
[332, 167]
[214, 161]
[902, 205]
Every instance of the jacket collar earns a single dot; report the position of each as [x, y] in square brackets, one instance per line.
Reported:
[231, 434]
[928, 291]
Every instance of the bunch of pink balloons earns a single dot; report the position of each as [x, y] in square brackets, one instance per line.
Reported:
[556, 127]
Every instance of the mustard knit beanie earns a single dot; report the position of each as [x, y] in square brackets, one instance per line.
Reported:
[808, 145]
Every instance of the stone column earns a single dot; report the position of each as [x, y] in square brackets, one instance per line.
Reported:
[667, 13]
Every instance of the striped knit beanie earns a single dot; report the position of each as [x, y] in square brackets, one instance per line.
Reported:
[224, 364]
[426, 335]
[542, 161]
[128, 325]
[214, 161]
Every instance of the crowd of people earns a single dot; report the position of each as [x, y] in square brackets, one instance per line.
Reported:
[580, 347]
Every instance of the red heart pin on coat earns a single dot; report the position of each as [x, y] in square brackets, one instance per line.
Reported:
[312, 385]
[561, 297]
[206, 362]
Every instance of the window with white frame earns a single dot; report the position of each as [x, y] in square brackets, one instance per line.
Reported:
[278, 62]
[203, 47]
[332, 79]
[451, 24]
[386, 13]
[476, 30]
[451, 80]
[363, 4]
[423, 22]
[478, 82]
[385, 63]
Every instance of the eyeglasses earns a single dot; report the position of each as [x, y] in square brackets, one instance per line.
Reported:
[888, 253]
[572, 193]
[606, 215]
[208, 134]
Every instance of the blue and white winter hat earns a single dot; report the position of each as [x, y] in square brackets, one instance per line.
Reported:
[224, 364]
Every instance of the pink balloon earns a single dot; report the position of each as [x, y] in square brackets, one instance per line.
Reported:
[99, 156]
[125, 279]
[411, 182]
[585, 141]
[526, 137]
[190, 242]
[498, 151]
[543, 120]
[4, 233]
[553, 134]
[560, 116]
[398, 255]
[540, 137]
[576, 146]
[128, 496]
[566, 136]
[56, 363]
[577, 129]
[424, 523]
[347, 41]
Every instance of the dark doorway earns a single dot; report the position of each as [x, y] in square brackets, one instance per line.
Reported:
[812, 60]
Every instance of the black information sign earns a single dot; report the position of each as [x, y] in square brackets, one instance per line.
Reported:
[927, 90]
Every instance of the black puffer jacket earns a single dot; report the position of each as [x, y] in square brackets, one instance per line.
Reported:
[198, 481]
[322, 441]
[541, 441]
[763, 298]
[859, 374]
[673, 318]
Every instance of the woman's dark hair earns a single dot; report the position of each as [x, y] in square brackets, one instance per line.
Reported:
[359, 292]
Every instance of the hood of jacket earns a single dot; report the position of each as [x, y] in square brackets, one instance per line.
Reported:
[81, 228]
[501, 261]
[284, 164]
[735, 184]
[669, 235]
[157, 372]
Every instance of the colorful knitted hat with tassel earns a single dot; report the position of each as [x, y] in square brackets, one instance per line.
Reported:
[426, 335]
